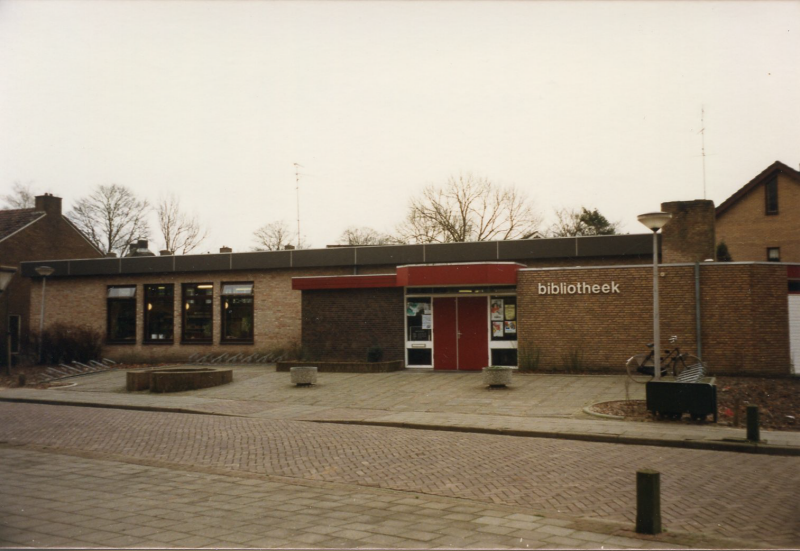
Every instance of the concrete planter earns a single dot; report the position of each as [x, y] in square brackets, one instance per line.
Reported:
[344, 367]
[304, 376]
[497, 376]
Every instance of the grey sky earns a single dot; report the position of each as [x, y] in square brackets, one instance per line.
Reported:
[577, 103]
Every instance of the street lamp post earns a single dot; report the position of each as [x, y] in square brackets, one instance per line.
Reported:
[6, 274]
[655, 221]
[43, 271]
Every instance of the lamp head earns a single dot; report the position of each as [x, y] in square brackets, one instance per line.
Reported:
[6, 273]
[45, 271]
[654, 220]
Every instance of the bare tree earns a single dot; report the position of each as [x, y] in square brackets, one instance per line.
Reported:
[181, 232]
[364, 236]
[275, 236]
[22, 196]
[468, 208]
[572, 223]
[111, 217]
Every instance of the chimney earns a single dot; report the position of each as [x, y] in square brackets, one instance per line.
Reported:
[49, 203]
[111, 254]
[289, 248]
[224, 249]
[139, 249]
[165, 252]
[689, 236]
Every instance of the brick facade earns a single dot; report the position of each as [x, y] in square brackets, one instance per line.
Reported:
[744, 316]
[277, 317]
[50, 237]
[342, 325]
[748, 231]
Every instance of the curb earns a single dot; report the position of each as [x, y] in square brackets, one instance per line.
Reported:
[155, 409]
[726, 445]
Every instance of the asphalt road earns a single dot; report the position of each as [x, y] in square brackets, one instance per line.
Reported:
[743, 496]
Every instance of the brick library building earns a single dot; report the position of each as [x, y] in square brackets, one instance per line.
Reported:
[464, 306]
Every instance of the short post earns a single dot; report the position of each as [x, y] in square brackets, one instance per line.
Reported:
[648, 502]
[752, 424]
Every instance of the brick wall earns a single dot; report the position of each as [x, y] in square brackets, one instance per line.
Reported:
[341, 325]
[743, 307]
[277, 317]
[747, 230]
[745, 318]
[50, 238]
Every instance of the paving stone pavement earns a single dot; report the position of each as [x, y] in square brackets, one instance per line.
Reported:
[535, 403]
[65, 501]
[732, 495]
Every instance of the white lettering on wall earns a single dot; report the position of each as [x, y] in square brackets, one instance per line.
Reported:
[578, 288]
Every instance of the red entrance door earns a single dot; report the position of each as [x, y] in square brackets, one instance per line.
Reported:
[460, 333]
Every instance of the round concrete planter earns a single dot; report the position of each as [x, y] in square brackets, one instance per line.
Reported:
[304, 376]
[497, 376]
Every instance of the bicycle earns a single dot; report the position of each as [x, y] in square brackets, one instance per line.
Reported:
[641, 367]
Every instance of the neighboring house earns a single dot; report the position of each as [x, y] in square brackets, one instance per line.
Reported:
[40, 233]
[761, 221]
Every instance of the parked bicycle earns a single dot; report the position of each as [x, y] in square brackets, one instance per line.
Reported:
[641, 367]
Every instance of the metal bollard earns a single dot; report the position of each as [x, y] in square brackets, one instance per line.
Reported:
[752, 424]
[648, 502]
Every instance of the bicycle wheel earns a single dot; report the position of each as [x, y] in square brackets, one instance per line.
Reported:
[684, 362]
[640, 368]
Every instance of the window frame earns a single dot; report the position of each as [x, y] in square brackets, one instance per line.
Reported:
[770, 197]
[131, 300]
[146, 315]
[769, 250]
[223, 338]
[184, 311]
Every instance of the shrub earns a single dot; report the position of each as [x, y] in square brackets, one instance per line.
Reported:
[572, 360]
[374, 354]
[530, 358]
[66, 343]
[722, 253]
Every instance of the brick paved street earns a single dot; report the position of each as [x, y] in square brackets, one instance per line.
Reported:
[731, 495]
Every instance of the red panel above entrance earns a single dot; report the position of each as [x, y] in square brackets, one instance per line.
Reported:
[458, 274]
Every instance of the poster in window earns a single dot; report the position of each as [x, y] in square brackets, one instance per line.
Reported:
[497, 328]
[511, 327]
[426, 321]
[511, 312]
[497, 309]
[413, 308]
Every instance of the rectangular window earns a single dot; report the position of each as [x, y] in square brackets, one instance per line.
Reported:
[774, 254]
[419, 318]
[121, 314]
[198, 312]
[771, 196]
[159, 313]
[14, 324]
[503, 318]
[237, 312]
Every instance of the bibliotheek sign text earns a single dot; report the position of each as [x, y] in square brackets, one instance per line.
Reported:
[578, 288]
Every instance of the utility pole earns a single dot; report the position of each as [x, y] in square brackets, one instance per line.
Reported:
[297, 188]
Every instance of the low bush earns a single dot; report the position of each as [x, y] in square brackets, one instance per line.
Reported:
[374, 354]
[66, 343]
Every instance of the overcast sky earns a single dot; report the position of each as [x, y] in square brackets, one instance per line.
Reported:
[577, 103]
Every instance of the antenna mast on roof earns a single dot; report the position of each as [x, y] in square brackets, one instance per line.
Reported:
[297, 184]
[703, 137]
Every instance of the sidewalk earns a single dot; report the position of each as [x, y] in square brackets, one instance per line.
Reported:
[545, 406]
